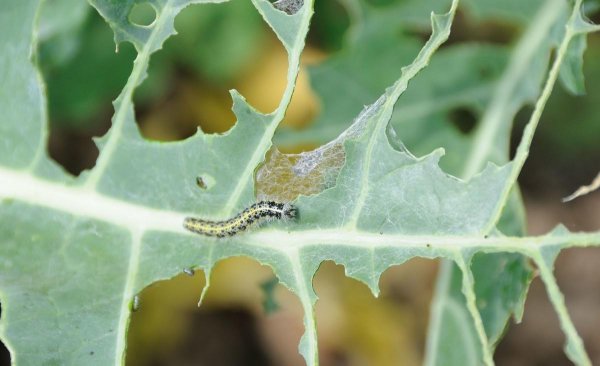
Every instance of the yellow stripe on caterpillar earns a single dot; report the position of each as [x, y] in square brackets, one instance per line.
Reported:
[252, 216]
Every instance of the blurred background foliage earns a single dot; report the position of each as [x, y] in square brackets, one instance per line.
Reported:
[354, 50]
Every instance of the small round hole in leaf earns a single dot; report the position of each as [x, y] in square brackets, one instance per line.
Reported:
[464, 119]
[142, 14]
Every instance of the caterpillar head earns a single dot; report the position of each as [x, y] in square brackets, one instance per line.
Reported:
[290, 211]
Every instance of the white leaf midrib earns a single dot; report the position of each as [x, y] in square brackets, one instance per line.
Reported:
[86, 202]
[83, 202]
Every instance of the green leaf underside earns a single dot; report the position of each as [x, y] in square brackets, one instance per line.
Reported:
[76, 250]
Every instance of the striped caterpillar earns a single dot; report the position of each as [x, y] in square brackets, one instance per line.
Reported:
[253, 215]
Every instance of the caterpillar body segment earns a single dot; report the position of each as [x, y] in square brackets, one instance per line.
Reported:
[254, 215]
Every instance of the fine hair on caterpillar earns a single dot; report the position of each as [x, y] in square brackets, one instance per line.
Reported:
[254, 215]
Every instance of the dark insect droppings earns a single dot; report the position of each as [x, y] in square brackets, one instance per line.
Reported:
[200, 183]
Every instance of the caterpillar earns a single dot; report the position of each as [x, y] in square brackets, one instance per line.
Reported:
[253, 215]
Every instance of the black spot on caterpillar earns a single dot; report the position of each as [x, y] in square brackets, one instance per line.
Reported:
[253, 215]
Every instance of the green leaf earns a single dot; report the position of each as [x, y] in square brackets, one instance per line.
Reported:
[380, 49]
[503, 81]
[75, 251]
[234, 32]
[86, 225]
[517, 85]
[571, 73]
[21, 129]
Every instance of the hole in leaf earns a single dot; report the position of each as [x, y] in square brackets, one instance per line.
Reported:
[81, 88]
[594, 14]
[546, 210]
[565, 150]
[421, 35]
[4, 354]
[225, 336]
[189, 79]
[467, 28]
[409, 289]
[538, 340]
[464, 119]
[73, 149]
[410, 283]
[358, 328]
[328, 25]
[230, 328]
[304, 105]
[142, 14]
